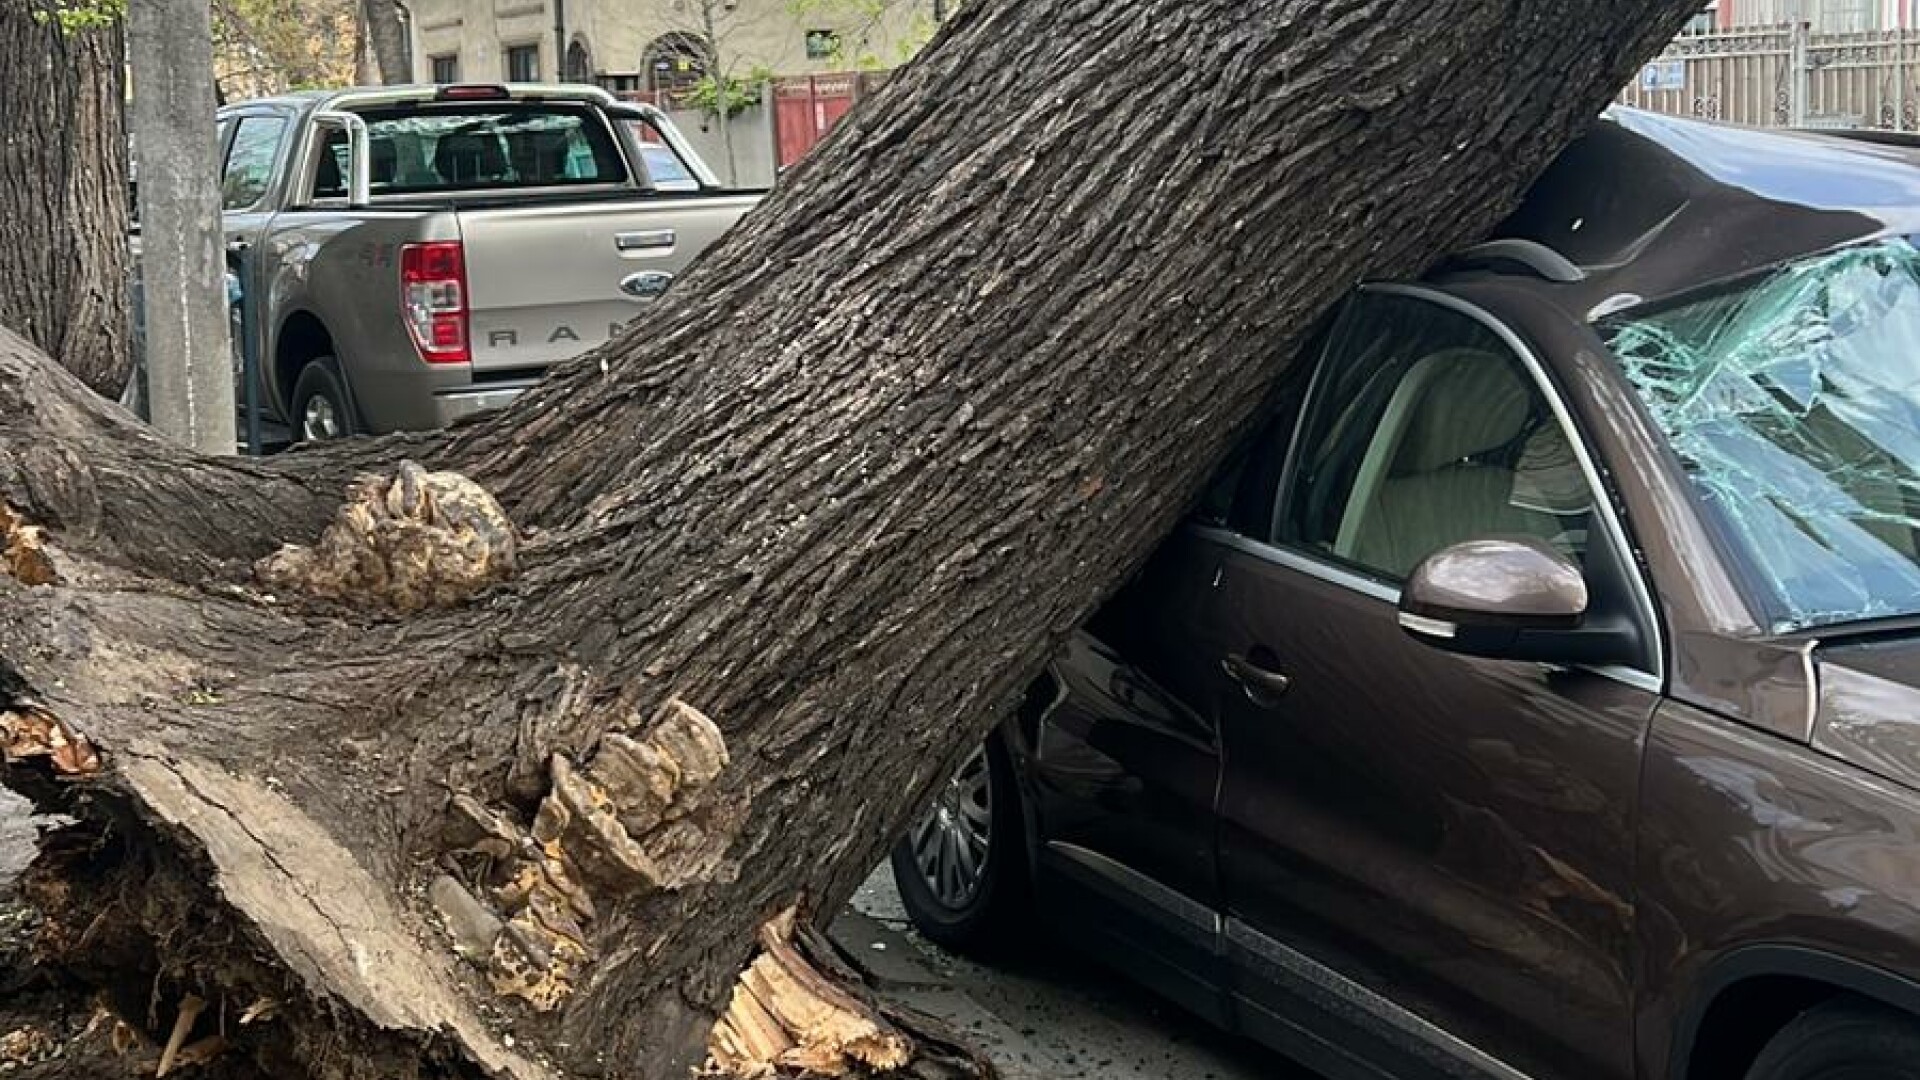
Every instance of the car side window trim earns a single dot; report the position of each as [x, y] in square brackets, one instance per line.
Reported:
[1612, 530]
[1316, 385]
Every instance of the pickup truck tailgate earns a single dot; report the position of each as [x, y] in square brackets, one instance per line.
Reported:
[544, 282]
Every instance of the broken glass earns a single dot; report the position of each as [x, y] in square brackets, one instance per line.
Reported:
[1793, 401]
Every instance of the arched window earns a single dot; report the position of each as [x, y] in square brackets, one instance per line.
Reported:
[676, 62]
[579, 62]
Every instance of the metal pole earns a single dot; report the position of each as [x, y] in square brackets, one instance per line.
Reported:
[182, 264]
[1900, 72]
[1797, 86]
[560, 41]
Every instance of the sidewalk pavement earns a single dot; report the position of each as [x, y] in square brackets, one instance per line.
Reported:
[1050, 1015]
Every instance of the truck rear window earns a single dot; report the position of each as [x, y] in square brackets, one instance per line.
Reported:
[492, 146]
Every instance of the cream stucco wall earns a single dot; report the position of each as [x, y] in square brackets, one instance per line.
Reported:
[751, 33]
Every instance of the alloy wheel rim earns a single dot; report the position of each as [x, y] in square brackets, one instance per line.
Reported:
[950, 842]
[319, 420]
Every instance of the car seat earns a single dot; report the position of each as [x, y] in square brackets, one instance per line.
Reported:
[1441, 466]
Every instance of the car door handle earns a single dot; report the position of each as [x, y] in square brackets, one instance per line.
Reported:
[649, 240]
[1263, 686]
[238, 247]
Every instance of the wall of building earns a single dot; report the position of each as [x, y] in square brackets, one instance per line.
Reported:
[1825, 16]
[750, 34]
[754, 150]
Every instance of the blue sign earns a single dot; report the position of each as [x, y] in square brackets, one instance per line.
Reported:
[1664, 75]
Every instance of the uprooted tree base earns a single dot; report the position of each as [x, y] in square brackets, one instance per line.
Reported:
[500, 764]
[103, 910]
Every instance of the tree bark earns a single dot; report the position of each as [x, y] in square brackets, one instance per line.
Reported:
[759, 573]
[387, 34]
[63, 192]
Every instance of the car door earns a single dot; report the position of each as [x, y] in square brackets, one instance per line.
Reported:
[1125, 767]
[252, 160]
[1124, 764]
[1432, 850]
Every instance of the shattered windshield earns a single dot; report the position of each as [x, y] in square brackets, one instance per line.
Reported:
[1794, 403]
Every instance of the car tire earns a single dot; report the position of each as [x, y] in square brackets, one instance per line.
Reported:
[977, 813]
[320, 408]
[1842, 1040]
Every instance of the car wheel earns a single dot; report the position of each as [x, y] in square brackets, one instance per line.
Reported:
[1842, 1040]
[321, 409]
[962, 868]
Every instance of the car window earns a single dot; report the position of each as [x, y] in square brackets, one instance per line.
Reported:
[420, 150]
[1425, 430]
[662, 165]
[1792, 400]
[256, 143]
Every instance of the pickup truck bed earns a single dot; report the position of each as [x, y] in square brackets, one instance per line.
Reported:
[415, 254]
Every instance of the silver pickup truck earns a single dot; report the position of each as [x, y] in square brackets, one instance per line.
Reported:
[414, 254]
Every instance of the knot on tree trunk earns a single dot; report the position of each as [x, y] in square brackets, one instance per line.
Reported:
[22, 554]
[636, 818]
[408, 542]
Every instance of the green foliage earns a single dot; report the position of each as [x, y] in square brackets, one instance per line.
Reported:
[737, 93]
[78, 16]
[860, 22]
[268, 46]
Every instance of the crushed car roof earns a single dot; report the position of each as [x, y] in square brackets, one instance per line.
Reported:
[1646, 206]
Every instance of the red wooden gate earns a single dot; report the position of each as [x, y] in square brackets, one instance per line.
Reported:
[806, 108]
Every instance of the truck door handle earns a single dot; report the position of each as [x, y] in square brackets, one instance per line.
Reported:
[650, 240]
[1263, 686]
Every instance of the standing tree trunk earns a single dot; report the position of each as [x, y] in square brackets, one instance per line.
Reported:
[774, 561]
[63, 192]
[387, 34]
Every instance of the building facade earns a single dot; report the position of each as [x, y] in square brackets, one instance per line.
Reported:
[651, 46]
[1822, 16]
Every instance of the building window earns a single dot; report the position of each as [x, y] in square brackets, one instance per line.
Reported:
[620, 85]
[823, 44]
[579, 63]
[1703, 23]
[523, 63]
[446, 69]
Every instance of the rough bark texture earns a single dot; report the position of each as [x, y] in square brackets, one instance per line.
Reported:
[782, 555]
[63, 192]
[387, 36]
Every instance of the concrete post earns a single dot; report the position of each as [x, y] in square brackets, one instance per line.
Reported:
[182, 261]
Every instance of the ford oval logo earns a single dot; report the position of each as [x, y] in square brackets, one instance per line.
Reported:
[646, 285]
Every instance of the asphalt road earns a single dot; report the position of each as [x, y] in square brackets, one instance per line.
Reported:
[1050, 1014]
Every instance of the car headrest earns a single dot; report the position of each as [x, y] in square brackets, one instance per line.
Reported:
[1474, 402]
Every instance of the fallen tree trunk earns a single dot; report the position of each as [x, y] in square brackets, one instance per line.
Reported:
[495, 765]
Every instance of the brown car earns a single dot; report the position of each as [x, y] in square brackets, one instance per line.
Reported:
[1539, 694]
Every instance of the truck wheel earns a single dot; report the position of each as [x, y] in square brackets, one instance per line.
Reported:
[1842, 1040]
[321, 409]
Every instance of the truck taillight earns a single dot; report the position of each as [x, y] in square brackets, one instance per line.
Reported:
[433, 295]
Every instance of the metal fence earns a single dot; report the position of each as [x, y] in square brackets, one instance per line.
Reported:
[1787, 75]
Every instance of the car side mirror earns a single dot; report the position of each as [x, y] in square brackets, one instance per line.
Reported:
[1509, 598]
